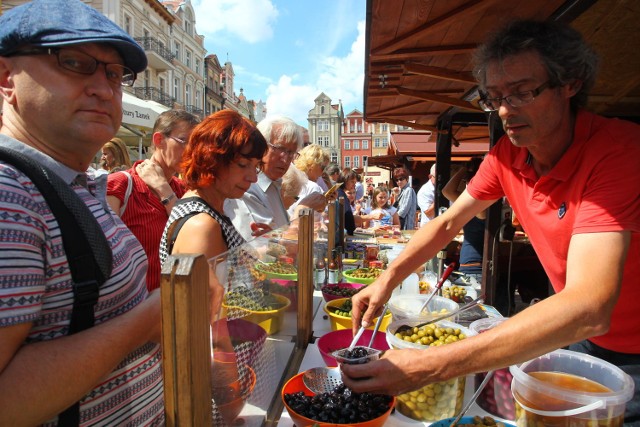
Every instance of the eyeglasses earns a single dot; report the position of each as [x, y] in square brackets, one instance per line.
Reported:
[82, 63]
[515, 100]
[401, 178]
[281, 151]
[178, 140]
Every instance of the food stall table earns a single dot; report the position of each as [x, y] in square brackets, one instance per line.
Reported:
[312, 359]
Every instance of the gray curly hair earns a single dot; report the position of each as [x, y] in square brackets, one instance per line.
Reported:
[565, 54]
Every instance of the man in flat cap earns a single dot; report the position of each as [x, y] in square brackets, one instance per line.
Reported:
[62, 68]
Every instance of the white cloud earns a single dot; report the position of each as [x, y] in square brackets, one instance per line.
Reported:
[291, 100]
[340, 78]
[249, 20]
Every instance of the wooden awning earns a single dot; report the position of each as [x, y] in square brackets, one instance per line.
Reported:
[418, 55]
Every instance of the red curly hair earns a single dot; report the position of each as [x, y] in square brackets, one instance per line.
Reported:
[217, 141]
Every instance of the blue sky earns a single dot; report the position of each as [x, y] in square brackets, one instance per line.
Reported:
[286, 52]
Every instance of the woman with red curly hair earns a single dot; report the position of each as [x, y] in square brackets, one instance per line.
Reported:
[221, 160]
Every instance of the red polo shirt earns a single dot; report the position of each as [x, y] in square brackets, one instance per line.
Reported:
[595, 187]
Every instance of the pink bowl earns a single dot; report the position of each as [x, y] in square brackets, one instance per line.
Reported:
[343, 285]
[337, 340]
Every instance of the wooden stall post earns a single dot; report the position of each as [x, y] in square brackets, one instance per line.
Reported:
[305, 278]
[186, 343]
[331, 229]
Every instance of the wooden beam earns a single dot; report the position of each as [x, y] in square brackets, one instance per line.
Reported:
[410, 124]
[439, 24]
[397, 109]
[439, 73]
[421, 52]
[392, 90]
[437, 98]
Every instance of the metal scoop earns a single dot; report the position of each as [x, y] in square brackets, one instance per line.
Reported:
[465, 307]
[322, 379]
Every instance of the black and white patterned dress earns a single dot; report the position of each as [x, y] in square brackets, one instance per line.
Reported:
[191, 205]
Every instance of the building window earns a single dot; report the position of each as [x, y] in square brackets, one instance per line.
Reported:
[384, 127]
[356, 145]
[347, 161]
[147, 78]
[326, 141]
[376, 142]
[161, 84]
[356, 161]
[334, 157]
[322, 110]
[187, 27]
[384, 142]
[198, 98]
[365, 160]
[197, 66]
[187, 91]
[365, 144]
[347, 145]
[187, 56]
[176, 50]
[176, 85]
[360, 128]
[320, 139]
[352, 129]
[127, 24]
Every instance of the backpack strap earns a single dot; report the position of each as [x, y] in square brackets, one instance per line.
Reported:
[86, 247]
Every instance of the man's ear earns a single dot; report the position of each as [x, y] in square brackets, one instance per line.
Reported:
[7, 87]
[572, 88]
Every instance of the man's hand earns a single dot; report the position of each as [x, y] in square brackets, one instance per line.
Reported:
[152, 175]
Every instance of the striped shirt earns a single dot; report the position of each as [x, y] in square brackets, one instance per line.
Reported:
[36, 287]
[145, 216]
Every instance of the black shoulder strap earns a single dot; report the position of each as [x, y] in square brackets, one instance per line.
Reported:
[86, 247]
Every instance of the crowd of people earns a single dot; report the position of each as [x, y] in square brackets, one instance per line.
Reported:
[214, 184]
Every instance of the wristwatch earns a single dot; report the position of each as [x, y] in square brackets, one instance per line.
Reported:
[168, 199]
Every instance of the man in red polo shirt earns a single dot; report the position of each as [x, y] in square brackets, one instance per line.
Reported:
[573, 180]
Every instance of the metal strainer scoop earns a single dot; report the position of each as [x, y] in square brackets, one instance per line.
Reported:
[322, 379]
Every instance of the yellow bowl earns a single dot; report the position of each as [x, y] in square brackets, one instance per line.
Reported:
[343, 322]
[270, 320]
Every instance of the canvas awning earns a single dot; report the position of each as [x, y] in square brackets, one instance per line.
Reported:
[137, 112]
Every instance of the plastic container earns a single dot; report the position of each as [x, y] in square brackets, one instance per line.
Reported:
[397, 343]
[269, 320]
[343, 322]
[329, 292]
[496, 398]
[295, 384]
[434, 401]
[464, 420]
[342, 356]
[541, 402]
[336, 340]
[408, 306]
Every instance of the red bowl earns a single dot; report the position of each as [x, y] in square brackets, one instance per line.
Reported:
[295, 384]
[337, 340]
[343, 285]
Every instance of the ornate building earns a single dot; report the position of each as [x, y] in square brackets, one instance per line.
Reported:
[325, 126]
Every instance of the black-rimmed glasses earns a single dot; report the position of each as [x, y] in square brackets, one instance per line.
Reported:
[515, 100]
[82, 63]
[281, 151]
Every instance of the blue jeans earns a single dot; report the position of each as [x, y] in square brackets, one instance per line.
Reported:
[629, 363]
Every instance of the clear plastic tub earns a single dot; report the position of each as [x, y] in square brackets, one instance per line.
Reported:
[408, 307]
[544, 402]
[343, 356]
[434, 401]
[496, 398]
